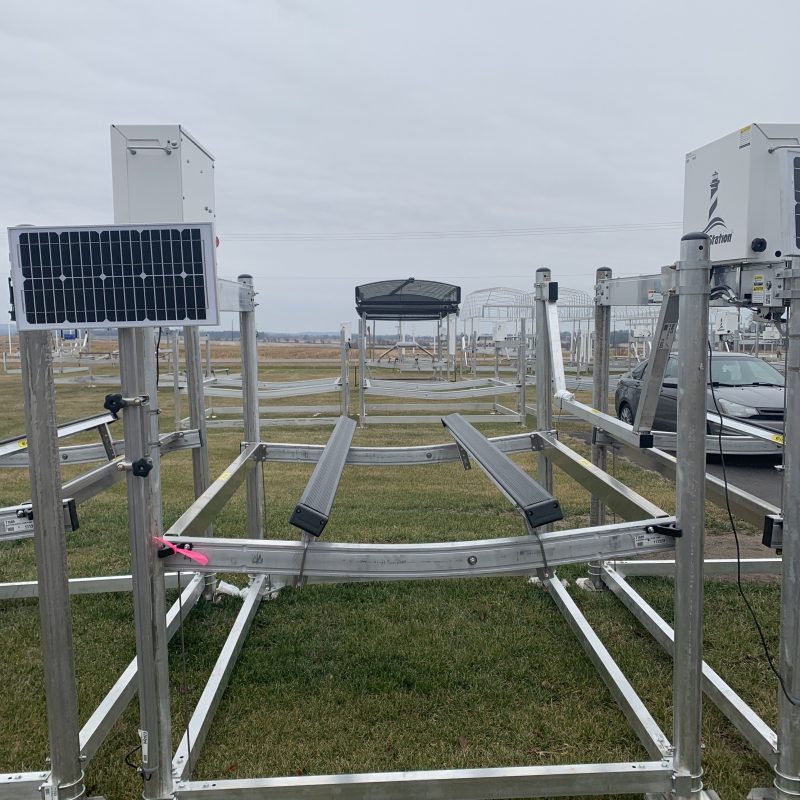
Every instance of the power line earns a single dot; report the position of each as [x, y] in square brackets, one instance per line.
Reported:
[485, 233]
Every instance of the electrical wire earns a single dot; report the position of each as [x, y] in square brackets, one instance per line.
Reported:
[764, 644]
[468, 233]
[158, 348]
[128, 757]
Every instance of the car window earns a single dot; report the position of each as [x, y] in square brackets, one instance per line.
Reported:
[671, 370]
[740, 371]
[638, 371]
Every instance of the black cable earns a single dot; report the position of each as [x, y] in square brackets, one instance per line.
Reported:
[158, 347]
[545, 565]
[128, 757]
[558, 416]
[765, 646]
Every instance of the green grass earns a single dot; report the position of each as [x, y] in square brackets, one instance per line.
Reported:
[376, 676]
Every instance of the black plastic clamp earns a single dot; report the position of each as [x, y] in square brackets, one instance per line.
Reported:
[142, 467]
[116, 402]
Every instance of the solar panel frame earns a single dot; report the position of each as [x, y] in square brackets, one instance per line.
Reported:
[114, 276]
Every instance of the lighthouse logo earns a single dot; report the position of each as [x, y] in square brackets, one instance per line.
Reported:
[715, 221]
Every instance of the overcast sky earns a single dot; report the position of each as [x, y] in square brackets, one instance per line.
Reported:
[339, 118]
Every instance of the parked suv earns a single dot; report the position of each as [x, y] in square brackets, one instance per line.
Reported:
[745, 387]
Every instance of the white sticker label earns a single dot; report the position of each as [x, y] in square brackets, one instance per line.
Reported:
[19, 526]
[758, 289]
[145, 737]
[650, 540]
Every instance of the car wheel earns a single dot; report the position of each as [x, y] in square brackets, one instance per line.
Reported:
[626, 414]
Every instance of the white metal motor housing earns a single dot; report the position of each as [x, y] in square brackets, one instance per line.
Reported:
[744, 191]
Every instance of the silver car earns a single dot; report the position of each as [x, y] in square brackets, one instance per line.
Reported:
[745, 386]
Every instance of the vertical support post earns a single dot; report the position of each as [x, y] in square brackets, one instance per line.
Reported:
[150, 372]
[362, 370]
[687, 694]
[522, 361]
[544, 377]
[197, 420]
[252, 421]
[55, 614]
[208, 356]
[344, 352]
[600, 370]
[448, 348]
[787, 770]
[600, 376]
[176, 376]
[149, 604]
[197, 411]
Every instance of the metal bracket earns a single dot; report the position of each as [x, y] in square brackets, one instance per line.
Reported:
[166, 148]
[17, 523]
[140, 468]
[464, 455]
[671, 530]
[116, 402]
[260, 453]
[165, 551]
[772, 536]
[600, 437]
[108, 442]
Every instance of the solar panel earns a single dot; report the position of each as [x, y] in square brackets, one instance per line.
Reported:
[114, 276]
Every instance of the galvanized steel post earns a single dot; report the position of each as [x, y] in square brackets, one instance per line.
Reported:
[176, 377]
[787, 770]
[544, 374]
[522, 370]
[252, 423]
[344, 355]
[149, 605]
[197, 410]
[362, 370]
[687, 694]
[600, 376]
[55, 614]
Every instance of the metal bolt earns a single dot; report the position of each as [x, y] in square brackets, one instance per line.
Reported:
[472, 561]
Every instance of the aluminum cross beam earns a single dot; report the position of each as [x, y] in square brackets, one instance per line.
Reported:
[331, 562]
[68, 429]
[755, 731]
[459, 784]
[374, 456]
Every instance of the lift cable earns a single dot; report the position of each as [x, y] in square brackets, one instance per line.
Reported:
[765, 646]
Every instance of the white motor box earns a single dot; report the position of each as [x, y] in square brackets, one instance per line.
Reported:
[744, 191]
[160, 174]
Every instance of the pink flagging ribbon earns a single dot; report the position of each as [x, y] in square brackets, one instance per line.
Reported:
[180, 551]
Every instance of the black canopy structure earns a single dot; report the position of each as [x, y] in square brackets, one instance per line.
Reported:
[407, 299]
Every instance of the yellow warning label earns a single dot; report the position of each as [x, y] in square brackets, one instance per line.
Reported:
[777, 438]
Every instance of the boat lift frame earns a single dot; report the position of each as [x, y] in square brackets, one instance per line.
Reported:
[687, 299]
[274, 563]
